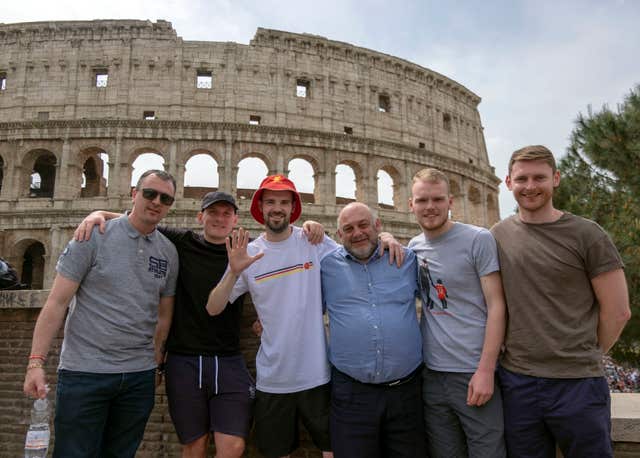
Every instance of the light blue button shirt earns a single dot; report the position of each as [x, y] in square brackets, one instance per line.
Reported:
[374, 335]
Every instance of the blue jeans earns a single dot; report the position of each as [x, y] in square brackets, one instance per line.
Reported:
[102, 415]
[538, 412]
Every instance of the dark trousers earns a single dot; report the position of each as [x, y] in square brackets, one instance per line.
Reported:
[375, 421]
[538, 412]
[102, 414]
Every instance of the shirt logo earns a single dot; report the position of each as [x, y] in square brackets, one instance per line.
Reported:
[158, 267]
[297, 268]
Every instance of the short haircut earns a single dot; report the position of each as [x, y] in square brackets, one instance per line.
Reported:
[533, 153]
[164, 176]
[431, 176]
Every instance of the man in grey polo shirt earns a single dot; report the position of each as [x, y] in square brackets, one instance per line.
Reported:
[123, 282]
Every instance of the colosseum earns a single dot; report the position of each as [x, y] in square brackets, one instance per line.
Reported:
[80, 101]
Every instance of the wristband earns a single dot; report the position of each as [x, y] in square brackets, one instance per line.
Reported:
[40, 357]
[35, 364]
[160, 369]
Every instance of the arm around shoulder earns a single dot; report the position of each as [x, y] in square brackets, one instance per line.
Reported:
[612, 294]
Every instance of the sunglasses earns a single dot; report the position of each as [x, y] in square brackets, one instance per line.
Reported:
[151, 194]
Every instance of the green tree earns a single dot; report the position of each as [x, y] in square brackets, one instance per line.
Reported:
[601, 181]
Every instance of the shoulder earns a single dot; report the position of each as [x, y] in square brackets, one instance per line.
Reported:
[504, 225]
[166, 244]
[417, 240]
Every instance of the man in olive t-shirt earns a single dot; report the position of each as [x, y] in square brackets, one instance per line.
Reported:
[567, 304]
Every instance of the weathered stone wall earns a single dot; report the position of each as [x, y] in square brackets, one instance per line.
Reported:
[56, 120]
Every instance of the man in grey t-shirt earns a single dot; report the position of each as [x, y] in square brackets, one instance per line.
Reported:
[123, 282]
[463, 322]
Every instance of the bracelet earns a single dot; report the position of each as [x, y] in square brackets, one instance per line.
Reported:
[160, 369]
[37, 357]
[35, 364]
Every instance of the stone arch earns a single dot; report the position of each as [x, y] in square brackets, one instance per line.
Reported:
[394, 178]
[342, 187]
[146, 160]
[304, 176]
[491, 202]
[252, 168]
[30, 254]
[454, 188]
[474, 195]
[39, 173]
[201, 174]
[95, 172]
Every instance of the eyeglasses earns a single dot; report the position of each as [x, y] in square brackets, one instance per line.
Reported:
[151, 194]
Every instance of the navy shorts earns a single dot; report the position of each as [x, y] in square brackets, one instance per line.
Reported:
[540, 412]
[209, 394]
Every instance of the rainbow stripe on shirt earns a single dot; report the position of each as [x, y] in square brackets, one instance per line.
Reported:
[297, 268]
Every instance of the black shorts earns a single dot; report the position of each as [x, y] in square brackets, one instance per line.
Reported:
[207, 394]
[277, 417]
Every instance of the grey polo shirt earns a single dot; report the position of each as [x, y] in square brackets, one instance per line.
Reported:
[122, 275]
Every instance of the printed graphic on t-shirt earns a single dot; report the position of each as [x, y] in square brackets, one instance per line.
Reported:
[426, 283]
[290, 270]
[158, 267]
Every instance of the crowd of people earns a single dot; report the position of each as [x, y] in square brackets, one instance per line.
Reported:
[621, 379]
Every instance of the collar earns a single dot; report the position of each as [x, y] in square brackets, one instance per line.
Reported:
[133, 232]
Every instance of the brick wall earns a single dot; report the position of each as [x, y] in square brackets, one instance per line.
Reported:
[18, 313]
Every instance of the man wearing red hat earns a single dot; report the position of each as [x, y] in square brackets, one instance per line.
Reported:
[292, 368]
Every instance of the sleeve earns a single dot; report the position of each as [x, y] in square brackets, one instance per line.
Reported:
[327, 246]
[485, 253]
[170, 285]
[602, 256]
[78, 257]
[411, 261]
[172, 233]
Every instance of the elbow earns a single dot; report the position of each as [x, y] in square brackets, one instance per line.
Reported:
[212, 310]
[625, 316]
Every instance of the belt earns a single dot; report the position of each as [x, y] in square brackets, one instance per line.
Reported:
[397, 382]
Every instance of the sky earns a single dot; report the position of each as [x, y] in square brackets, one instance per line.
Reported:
[535, 64]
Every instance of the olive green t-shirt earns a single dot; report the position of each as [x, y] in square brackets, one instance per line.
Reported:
[552, 309]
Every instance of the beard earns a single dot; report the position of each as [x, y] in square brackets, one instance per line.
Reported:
[362, 253]
[277, 228]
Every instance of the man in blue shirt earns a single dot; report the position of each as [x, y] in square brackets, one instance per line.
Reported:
[375, 347]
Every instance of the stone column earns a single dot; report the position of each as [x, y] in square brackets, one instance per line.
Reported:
[176, 169]
[226, 182]
[115, 189]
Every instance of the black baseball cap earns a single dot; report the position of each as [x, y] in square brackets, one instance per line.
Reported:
[211, 198]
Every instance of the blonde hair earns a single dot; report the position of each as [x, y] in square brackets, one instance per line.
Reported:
[533, 153]
[431, 176]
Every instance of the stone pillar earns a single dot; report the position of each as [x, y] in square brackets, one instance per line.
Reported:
[226, 181]
[116, 171]
[176, 168]
[58, 240]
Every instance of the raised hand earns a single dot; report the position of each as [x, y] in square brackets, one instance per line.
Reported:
[239, 259]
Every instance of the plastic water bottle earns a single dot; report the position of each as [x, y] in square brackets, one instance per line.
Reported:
[38, 435]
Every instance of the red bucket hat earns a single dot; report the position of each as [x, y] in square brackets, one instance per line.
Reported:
[275, 183]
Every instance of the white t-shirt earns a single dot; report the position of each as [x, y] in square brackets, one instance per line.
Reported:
[286, 290]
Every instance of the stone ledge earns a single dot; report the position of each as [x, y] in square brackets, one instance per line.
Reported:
[625, 417]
